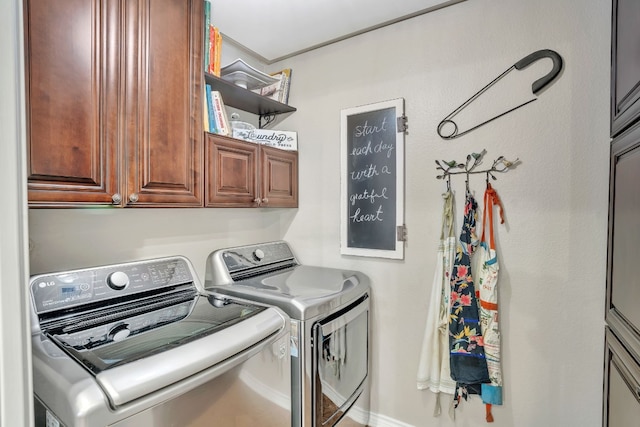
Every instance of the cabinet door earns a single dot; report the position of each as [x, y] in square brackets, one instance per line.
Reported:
[232, 179]
[163, 105]
[72, 77]
[279, 177]
[623, 287]
[625, 64]
[621, 406]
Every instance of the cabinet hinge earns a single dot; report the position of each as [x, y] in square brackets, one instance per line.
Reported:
[401, 233]
[401, 124]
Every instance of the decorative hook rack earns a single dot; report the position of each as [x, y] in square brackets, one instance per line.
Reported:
[448, 168]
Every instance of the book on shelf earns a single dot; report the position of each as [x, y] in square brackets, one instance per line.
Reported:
[210, 110]
[206, 36]
[218, 53]
[205, 112]
[278, 91]
[212, 42]
[215, 51]
[220, 114]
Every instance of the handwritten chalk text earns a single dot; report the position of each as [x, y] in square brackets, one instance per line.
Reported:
[371, 196]
[380, 147]
[367, 129]
[359, 217]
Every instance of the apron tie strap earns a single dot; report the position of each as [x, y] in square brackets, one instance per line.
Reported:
[488, 412]
[491, 199]
[437, 409]
[447, 215]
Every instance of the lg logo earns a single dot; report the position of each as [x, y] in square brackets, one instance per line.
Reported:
[46, 284]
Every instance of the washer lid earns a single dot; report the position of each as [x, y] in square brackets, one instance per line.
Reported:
[127, 382]
[303, 292]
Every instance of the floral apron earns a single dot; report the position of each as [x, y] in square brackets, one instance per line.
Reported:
[486, 264]
[433, 369]
[467, 356]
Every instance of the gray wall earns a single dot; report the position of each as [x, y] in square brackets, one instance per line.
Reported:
[552, 248]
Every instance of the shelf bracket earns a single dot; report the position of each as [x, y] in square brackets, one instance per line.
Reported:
[268, 118]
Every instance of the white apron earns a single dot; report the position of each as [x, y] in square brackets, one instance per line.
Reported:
[433, 369]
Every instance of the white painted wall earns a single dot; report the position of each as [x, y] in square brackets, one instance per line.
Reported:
[552, 247]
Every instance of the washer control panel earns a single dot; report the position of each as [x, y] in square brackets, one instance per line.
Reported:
[252, 256]
[69, 289]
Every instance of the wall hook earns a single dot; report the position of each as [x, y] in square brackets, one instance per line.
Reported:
[473, 160]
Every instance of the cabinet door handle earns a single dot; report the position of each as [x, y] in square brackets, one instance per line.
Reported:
[116, 199]
[133, 198]
[257, 201]
[265, 200]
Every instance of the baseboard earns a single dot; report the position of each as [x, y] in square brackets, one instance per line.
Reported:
[376, 420]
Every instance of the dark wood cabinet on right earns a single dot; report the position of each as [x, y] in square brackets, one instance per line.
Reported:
[621, 384]
[621, 397]
[625, 64]
[621, 401]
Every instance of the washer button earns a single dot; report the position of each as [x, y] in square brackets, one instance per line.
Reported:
[258, 254]
[118, 280]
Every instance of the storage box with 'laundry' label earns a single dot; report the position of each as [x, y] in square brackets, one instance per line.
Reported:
[286, 140]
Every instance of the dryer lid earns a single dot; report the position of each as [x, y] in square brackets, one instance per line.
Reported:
[303, 292]
[269, 273]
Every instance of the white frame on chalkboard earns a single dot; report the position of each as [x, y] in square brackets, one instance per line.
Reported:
[398, 252]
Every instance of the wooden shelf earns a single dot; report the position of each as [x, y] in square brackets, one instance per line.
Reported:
[243, 99]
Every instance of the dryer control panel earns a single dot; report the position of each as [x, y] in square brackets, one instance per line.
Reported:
[253, 259]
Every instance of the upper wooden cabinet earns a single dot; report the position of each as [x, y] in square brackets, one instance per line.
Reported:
[279, 177]
[244, 174]
[114, 102]
[625, 65]
[231, 172]
[72, 101]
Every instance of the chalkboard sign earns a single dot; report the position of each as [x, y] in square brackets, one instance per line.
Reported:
[372, 180]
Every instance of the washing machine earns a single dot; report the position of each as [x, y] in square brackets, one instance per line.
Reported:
[139, 344]
[330, 326]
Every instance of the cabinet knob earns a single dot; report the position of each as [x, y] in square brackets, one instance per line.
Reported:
[265, 200]
[257, 201]
[133, 198]
[116, 199]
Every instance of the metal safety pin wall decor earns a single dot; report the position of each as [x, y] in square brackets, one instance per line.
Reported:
[448, 128]
[448, 168]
